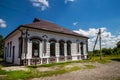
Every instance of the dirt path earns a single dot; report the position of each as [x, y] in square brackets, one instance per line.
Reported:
[109, 71]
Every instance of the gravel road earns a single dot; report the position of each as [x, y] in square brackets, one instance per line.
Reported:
[109, 71]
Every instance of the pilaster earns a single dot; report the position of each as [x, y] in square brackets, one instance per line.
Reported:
[40, 50]
[57, 53]
[65, 51]
[85, 54]
[48, 49]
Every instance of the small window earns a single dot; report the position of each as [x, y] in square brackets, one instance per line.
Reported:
[61, 48]
[7, 49]
[68, 48]
[82, 51]
[10, 48]
[52, 48]
[78, 48]
[20, 47]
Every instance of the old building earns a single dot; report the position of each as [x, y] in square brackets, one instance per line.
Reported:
[44, 42]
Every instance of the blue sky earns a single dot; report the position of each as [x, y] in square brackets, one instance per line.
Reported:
[82, 16]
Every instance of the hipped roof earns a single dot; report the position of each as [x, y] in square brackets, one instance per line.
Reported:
[48, 26]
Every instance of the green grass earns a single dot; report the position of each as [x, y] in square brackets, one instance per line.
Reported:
[18, 75]
[15, 75]
[34, 73]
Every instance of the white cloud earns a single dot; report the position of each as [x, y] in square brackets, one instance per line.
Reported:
[75, 23]
[42, 4]
[108, 39]
[2, 23]
[66, 1]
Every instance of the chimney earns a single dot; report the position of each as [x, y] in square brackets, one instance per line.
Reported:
[36, 20]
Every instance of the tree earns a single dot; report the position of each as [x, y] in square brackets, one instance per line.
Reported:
[96, 52]
[118, 44]
[1, 46]
[104, 50]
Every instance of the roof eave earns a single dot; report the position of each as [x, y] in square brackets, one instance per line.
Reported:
[55, 31]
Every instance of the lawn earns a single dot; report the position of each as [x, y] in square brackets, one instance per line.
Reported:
[33, 71]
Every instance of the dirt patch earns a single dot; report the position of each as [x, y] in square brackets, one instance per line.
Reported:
[109, 71]
[13, 68]
[3, 75]
[43, 69]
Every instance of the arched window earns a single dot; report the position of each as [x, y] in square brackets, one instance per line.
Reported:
[82, 51]
[35, 48]
[61, 42]
[68, 47]
[35, 45]
[52, 47]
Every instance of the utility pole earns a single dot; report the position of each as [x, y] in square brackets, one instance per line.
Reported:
[98, 36]
[100, 44]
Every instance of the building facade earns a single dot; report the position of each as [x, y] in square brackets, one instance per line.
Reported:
[43, 42]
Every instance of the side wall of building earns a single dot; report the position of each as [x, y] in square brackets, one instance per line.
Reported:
[12, 48]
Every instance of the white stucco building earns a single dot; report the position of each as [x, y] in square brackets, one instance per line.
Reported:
[44, 42]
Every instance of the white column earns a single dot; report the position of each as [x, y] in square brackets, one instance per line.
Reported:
[48, 52]
[41, 61]
[65, 51]
[74, 51]
[29, 49]
[41, 52]
[48, 49]
[40, 49]
[28, 61]
[57, 53]
[47, 60]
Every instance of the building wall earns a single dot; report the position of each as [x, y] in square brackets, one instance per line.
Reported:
[58, 37]
[39, 33]
[14, 39]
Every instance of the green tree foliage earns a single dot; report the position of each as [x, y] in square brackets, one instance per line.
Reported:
[118, 44]
[1, 46]
[105, 51]
[116, 50]
[96, 53]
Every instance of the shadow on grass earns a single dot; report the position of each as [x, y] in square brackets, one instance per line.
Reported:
[6, 64]
[116, 59]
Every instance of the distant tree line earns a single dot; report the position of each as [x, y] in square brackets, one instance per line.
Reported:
[109, 51]
[1, 46]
